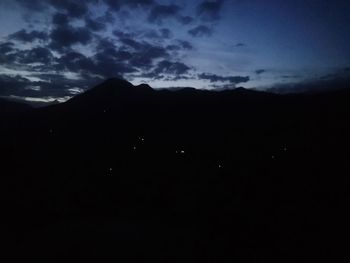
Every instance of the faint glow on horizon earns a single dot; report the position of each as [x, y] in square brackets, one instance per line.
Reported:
[43, 99]
[75, 91]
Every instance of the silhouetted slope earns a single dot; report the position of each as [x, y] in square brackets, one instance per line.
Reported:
[10, 107]
[9, 112]
[225, 176]
[111, 92]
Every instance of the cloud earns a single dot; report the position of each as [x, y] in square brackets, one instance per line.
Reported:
[115, 5]
[216, 78]
[76, 62]
[165, 33]
[290, 76]
[185, 44]
[36, 55]
[22, 88]
[107, 62]
[94, 25]
[152, 34]
[14, 58]
[161, 34]
[173, 68]
[12, 84]
[6, 52]
[34, 5]
[107, 49]
[6, 47]
[107, 18]
[78, 8]
[210, 10]
[260, 71]
[109, 67]
[185, 20]
[200, 31]
[161, 12]
[24, 36]
[122, 34]
[240, 45]
[180, 45]
[138, 3]
[60, 19]
[132, 43]
[73, 8]
[144, 58]
[167, 70]
[132, 55]
[143, 53]
[64, 36]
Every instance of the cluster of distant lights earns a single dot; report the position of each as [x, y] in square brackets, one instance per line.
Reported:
[142, 140]
[182, 152]
[285, 149]
[178, 152]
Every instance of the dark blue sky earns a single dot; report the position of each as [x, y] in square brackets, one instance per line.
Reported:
[53, 49]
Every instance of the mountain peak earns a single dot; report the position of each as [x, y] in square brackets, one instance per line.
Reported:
[116, 82]
[144, 86]
[112, 92]
[110, 87]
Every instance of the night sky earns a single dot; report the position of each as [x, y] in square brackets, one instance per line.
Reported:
[54, 49]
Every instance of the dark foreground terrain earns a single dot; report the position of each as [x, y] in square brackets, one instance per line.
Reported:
[129, 174]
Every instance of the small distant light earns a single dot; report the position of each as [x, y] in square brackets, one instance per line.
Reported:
[134, 148]
[220, 166]
[110, 169]
[285, 149]
[273, 157]
[182, 152]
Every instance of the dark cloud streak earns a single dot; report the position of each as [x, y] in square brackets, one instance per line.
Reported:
[161, 12]
[210, 10]
[31, 36]
[201, 31]
[63, 37]
[216, 78]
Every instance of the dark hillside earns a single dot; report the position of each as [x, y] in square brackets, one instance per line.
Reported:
[130, 173]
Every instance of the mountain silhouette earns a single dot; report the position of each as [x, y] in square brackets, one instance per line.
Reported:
[112, 91]
[119, 94]
[230, 175]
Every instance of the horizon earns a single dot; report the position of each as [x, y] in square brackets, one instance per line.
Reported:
[47, 101]
[310, 88]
